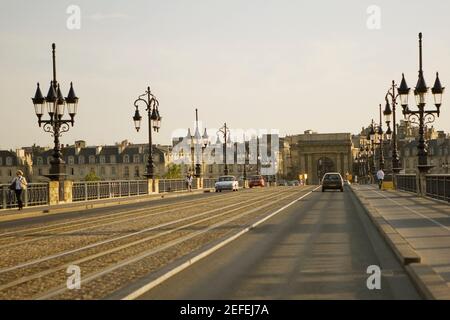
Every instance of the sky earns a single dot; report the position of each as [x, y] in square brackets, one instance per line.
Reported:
[289, 65]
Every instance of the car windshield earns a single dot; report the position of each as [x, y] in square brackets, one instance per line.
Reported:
[226, 178]
[332, 177]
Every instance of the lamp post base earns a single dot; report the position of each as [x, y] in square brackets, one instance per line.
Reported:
[424, 168]
[396, 170]
[56, 176]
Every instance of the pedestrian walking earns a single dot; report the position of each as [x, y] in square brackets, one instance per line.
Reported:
[380, 177]
[18, 184]
[189, 179]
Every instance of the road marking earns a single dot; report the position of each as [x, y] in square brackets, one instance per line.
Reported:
[414, 211]
[135, 294]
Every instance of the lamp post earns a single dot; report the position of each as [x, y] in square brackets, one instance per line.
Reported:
[421, 116]
[154, 122]
[392, 135]
[376, 138]
[55, 125]
[197, 140]
[225, 132]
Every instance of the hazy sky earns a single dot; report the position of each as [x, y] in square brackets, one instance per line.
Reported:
[287, 65]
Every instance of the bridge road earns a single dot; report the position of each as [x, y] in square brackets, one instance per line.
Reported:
[319, 248]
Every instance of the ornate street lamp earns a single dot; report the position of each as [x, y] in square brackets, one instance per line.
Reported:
[225, 132]
[246, 147]
[421, 116]
[195, 141]
[376, 138]
[154, 121]
[56, 125]
[393, 93]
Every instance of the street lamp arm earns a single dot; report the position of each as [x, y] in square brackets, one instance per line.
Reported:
[136, 103]
[414, 117]
[429, 117]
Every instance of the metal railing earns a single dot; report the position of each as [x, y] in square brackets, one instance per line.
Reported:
[172, 185]
[438, 186]
[85, 191]
[36, 194]
[209, 183]
[406, 182]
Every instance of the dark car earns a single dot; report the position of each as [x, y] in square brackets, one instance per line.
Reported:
[256, 181]
[332, 180]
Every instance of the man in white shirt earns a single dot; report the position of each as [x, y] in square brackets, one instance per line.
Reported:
[380, 177]
[19, 183]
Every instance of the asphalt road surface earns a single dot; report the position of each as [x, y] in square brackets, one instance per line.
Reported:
[319, 248]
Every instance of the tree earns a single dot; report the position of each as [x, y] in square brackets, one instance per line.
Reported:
[91, 177]
[173, 172]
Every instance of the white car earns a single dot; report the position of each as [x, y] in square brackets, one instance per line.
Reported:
[226, 183]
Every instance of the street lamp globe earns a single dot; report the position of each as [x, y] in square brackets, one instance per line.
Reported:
[72, 102]
[137, 120]
[51, 100]
[403, 91]
[38, 102]
[387, 112]
[60, 103]
[437, 91]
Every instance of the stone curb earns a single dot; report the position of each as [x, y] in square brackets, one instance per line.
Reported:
[430, 285]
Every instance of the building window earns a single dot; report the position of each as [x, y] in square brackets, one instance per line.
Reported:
[81, 159]
[113, 171]
[112, 159]
[71, 160]
[1, 161]
[210, 169]
[136, 158]
[102, 171]
[10, 173]
[126, 159]
[39, 161]
[72, 171]
[91, 159]
[40, 171]
[49, 160]
[126, 172]
[1, 173]
[102, 159]
[136, 171]
[8, 161]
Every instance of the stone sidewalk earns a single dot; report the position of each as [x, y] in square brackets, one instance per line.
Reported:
[418, 230]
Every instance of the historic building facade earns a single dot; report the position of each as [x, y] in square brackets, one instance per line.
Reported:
[315, 154]
[122, 161]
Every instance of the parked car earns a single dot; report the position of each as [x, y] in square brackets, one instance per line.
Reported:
[293, 183]
[227, 183]
[256, 181]
[332, 180]
[282, 183]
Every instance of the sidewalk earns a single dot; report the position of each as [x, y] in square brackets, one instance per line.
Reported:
[36, 211]
[418, 230]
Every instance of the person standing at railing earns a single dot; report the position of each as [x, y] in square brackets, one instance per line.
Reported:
[380, 177]
[18, 184]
